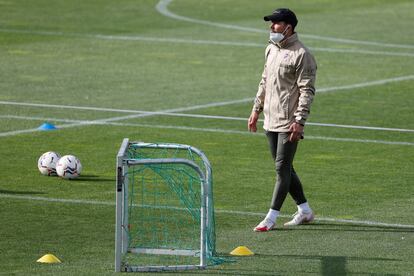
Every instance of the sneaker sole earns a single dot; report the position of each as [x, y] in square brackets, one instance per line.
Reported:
[303, 222]
[263, 229]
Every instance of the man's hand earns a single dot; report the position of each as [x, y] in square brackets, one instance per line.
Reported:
[296, 132]
[251, 124]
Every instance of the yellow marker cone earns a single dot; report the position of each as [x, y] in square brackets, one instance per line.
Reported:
[49, 259]
[242, 251]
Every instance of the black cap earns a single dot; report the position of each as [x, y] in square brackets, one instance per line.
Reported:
[284, 15]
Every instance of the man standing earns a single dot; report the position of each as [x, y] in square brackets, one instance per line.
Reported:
[285, 94]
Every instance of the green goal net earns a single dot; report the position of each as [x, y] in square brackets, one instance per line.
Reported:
[164, 208]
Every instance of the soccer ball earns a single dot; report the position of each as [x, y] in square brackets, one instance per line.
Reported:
[47, 163]
[69, 167]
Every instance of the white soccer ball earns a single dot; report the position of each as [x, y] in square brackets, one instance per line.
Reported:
[47, 163]
[69, 167]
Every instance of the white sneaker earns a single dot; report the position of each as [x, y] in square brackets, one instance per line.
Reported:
[300, 218]
[264, 226]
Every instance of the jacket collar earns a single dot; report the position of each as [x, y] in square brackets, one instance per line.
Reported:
[287, 42]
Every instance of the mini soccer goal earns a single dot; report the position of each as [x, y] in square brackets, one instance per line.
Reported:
[164, 208]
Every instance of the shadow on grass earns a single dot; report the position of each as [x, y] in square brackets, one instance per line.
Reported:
[330, 265]
[231, 271]
[9, 192]
[93, 178]
[333, 265]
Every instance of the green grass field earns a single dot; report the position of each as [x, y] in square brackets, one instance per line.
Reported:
[93, 67]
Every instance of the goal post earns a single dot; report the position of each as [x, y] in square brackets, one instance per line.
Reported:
[164, 208]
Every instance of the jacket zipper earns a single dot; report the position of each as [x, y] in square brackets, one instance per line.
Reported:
[273, 86]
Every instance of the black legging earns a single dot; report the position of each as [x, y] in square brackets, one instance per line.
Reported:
[287, 181]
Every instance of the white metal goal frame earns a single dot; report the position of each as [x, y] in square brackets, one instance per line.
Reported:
[123, 162]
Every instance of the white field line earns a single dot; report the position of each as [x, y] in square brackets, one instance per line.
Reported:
[113, 119]
[161, 112]
[216, 104]
[200, 42]
[30, 130]
[364, 84]
[361, 127]
[147, 114]
[100, 121]
[222, 211]
[45, 119]
[213, 130]
[16, 132]
[188, 115]
[162, 8]
[195, 107]
[357, 51]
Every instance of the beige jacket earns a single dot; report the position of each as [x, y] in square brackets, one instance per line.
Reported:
[287, 87]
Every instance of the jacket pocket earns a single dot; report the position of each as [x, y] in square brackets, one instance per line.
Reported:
[284, 105]
[286, 69]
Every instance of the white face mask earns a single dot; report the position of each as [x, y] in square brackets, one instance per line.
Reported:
[277, 37]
